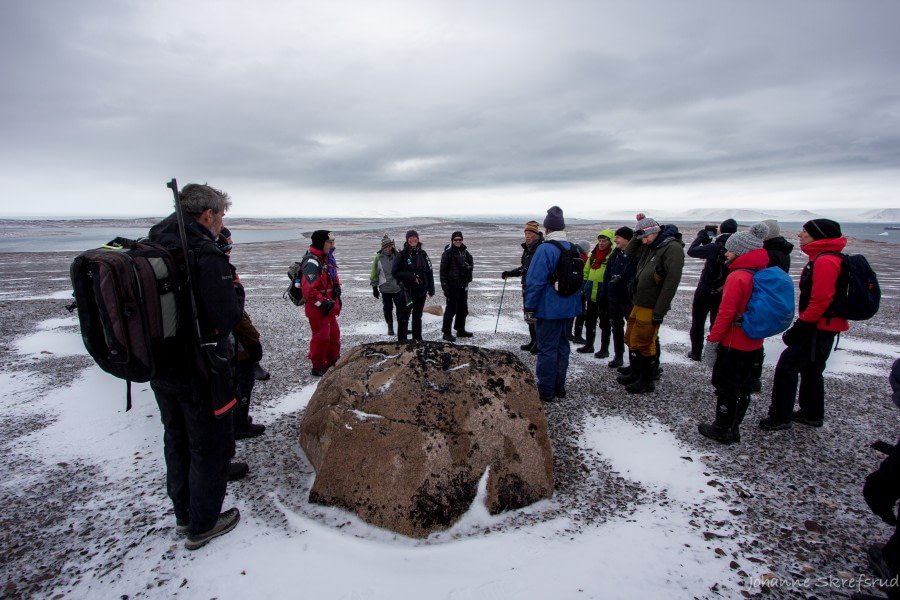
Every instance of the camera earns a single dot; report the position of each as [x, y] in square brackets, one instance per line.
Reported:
[711, 231]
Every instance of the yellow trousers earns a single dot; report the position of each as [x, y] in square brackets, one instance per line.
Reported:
[640, 332]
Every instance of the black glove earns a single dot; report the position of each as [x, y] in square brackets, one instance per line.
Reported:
[799, 332]
[529, 317]
[877, 493]
[326, 307]
[506, 274]
[656, 320]
[336, 292]
[375, 292]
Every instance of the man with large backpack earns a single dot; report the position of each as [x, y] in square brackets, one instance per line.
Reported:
[550, 301]
[711, 248]
[198, 443]
[810, 339]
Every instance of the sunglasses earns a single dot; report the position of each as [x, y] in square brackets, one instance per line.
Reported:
[457, 239]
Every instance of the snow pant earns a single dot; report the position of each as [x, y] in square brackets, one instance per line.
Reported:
[640, 332]
[704, 305]
[731, 377]
[198, 449]
[553, 355]
[597, 311]
[803, 361]
[457, 306]
[388, 302]
[618, 313]
[325, 344]
[881, 491]
[418, 305]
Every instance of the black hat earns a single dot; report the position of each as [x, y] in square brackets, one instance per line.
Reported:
[319, 237]
[821, 229]
[456, 234]
[625, 232]
[728, 226]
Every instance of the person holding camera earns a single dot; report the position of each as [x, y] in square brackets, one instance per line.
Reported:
[322, 290]
[708, 295]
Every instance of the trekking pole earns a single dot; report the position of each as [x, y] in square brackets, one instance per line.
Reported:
[501, 306]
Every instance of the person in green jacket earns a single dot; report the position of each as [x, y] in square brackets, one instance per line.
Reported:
[594, 267]
[660, 253]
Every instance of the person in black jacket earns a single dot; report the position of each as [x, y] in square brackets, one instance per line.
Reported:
[708, 294]
[533, 239]
[617, 278]
[456, 274]
[198, 444]
[413, 271]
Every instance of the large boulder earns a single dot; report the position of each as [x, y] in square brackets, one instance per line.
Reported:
[400, 434]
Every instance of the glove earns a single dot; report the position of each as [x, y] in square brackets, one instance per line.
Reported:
[326, 307]
[506, 274]
[878, 496]
[656, 320]
[336, 292]
[799, 331]
[375, 292]
[529, 317]
[587, 288]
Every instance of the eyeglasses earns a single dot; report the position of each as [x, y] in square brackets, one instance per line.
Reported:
[457, 239]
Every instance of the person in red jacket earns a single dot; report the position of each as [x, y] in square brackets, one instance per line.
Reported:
[322, 290]
[737, 353]
[811, 337]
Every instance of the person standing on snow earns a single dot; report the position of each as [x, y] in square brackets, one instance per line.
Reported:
[533, 239]
[711, 248]
[597, 307]
[383, 283]
[414, 272]
[322, 290]
[456, 275]
[617, 280]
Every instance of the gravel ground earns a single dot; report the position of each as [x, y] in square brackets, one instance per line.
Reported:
[797, 509]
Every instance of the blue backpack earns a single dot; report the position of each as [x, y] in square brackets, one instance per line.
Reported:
[771, 306]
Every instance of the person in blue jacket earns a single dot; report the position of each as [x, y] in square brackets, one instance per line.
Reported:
[550, 312]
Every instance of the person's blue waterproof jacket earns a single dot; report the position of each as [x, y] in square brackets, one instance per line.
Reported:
[540, 296]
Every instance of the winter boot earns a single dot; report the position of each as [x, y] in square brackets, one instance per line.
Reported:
[237, 471]
[227, 521]
[602, 353]
[449, 337]
[527, 347]
[644, 383]
[588, 347]
[722, 429]
[244, 427]
[259, 373]
[634, 373]
[390, 325]
[402, 330]
[616, 361]
[742, 405]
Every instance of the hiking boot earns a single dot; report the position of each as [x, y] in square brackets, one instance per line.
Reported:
[624, 370]
[227, 521]
[585, 349]
[391, 330]
[560, 394]
[773, 424]
[799, 417]
[698, 357]
[534, 349]
[181, 527]
[237, 471]
[724, 435]
[601, 354]
[634, 373]
[549, 398]
[449, 338]
[319, 372]
[579, 339]
[615, 362]
[464, 334]
[251, 430]
[260, 374]
[526, 347]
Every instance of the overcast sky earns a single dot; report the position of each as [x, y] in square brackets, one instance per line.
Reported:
[454, 107]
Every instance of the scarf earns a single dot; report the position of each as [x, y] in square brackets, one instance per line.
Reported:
[598, 256]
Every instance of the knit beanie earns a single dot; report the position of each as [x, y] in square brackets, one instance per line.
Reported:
[728, 226]
[645, 226]
[533, 226]
[743, 242]
[410, 233]
[386, 241]
[821, 229]
[774, 229]
[625, 232]
[456, 234]
[319, 237]
[554, 220]
[584, 245]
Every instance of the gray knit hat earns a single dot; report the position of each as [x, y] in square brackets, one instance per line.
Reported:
[386, 241]
[774, 229]
[743, 242]
[645, 226]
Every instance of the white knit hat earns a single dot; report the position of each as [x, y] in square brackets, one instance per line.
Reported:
[743, 242]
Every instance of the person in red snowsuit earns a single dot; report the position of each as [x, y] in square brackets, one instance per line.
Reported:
[322, 290]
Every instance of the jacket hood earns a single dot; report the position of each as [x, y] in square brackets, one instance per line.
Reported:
[167, 232]
[608, 234]
[813, 249]
[778, 243]
[755, 259]
[668, 235]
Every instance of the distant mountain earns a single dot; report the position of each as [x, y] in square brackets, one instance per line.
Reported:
[889, 215]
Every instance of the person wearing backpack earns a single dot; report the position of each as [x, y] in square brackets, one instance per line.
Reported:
[198, 445]
[414, 272]
[711, 248]
[383, 283]
[597, 306]
[737, 353]
[321, 288]
[660, 255]
[550, 311]
[533, 239]
[456, 275]
[617, 279]
[811, 337]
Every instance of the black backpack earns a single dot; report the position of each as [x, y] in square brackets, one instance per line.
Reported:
[294, 292]
[719, 273]
[127, 294]
[568, 277]
[857, 294]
